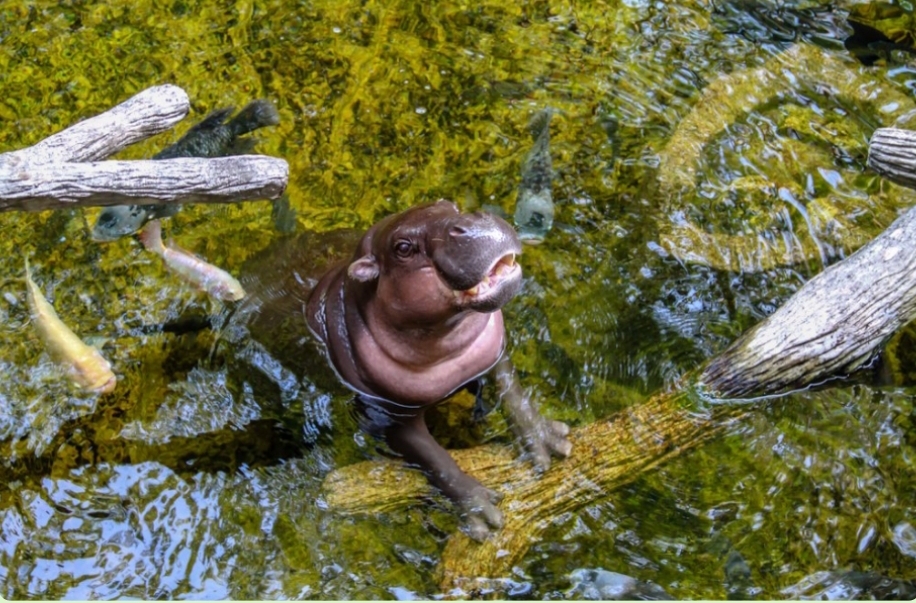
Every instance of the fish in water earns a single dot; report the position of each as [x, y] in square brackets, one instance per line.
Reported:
[283, 215]
[85, 365]
[870, 45]
[534, 206]
[212, 137]
[218, 283]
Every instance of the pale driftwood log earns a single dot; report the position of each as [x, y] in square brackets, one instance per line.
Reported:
[35, 187]
[831, 326]
[147, 113]
[64, 171]
[892, 153]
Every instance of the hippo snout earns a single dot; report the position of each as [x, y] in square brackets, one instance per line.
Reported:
[475, 243]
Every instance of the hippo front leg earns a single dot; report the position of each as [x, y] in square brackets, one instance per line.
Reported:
[477, 503]
[540, 437]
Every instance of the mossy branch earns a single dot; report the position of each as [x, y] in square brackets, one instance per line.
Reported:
[64, 170]
[606, 455]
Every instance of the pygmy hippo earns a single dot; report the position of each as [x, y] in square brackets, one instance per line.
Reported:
[413, 317]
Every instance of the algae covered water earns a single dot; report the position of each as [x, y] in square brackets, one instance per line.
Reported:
[708, 159]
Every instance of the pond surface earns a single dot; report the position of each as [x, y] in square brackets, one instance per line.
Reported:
[709, 159]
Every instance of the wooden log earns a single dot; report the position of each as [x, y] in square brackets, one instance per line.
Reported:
[147, 113]
[830, 327]
[892, 153]
[187, 180]
[64, 170]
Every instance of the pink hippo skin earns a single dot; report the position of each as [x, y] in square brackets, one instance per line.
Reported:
[414, 316]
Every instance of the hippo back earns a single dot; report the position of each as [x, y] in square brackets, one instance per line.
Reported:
[278, 280]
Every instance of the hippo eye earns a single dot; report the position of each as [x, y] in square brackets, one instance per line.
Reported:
[403, 248]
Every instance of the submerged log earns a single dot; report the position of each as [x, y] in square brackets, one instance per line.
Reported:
[833, 325]
[606, 455]
[65, 169]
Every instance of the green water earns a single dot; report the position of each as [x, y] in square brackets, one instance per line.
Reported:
[694, 195]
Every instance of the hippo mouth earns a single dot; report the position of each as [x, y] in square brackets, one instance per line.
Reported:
[500, 283]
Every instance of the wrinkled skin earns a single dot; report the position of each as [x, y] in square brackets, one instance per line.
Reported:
[413, 317]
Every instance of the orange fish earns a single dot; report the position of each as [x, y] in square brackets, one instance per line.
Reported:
[85, 365]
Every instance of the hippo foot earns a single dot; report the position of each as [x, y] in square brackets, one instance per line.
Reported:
[543, 439]
[479, 513]
[540, 437]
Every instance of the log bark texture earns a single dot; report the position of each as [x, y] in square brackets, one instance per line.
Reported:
[35, 187]
[831, 326]
[892, 153]
[65, 170]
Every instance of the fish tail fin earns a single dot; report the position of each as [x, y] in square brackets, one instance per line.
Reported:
[29, 283]
[256, 114]
[540, 122]
[33, 295]
[151, 237]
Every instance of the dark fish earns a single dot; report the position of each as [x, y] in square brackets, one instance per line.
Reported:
[739, 582]
[738, 579]
[209, 138]
[534, 206]
[870, 45]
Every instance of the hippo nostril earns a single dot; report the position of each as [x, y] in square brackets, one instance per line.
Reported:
[458, 231]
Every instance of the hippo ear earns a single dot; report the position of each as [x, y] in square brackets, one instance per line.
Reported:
[364, 269]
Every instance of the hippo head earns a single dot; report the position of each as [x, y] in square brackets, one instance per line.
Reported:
[431, 262]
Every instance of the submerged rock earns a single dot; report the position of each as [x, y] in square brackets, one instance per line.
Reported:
[603, 585]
